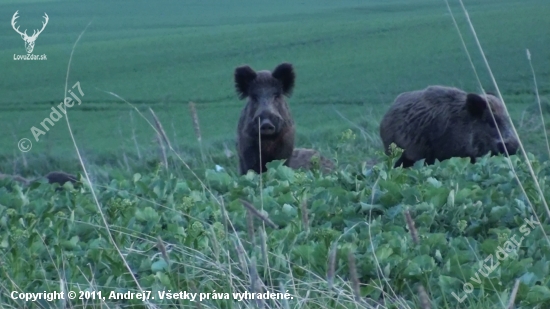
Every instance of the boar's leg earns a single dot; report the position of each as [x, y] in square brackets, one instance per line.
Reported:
[403, 160]
[250, 161]
[430, 159]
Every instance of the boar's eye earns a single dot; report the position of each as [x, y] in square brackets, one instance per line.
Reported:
[497, 122]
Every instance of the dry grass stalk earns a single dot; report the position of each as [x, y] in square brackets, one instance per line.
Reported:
[161, 136]
[263, 244]
[412, 229]
[284, 301]
[424, 299]
[241, 255]
[259, 215]
[162, 249]
[195, 117]
[197, 128]
[538, 100]
[305, 215]
[513, 295]
[160, 129]
[215, 243]
[331, 266]
[353, 277]
[255, 282]
[250, 225]
[162, 151]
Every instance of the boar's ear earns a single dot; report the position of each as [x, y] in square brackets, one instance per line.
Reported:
[244, 75]
[284, 72]
[475, 104]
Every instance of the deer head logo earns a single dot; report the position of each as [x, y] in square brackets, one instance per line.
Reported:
[29, 40]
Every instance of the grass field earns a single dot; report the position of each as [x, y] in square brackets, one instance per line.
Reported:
[352, 58]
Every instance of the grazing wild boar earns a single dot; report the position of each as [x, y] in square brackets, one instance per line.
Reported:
[53, 177]
[265, 121]
[302, 158]
[441, 122]
[60, 178]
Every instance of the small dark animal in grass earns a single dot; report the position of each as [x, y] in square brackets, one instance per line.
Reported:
[53, 177]
[60, 178]
[303, 158]
[265, 121]
[441, 122]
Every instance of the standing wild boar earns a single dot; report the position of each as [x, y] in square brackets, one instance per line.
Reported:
[441, 122]
[303, 157]
[265, 122]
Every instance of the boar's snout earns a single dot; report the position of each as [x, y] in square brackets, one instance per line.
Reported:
[266, 123]
[512, 147]
[267, 127]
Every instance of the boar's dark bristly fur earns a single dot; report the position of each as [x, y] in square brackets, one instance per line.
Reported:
[53, 177]
[441, 122]
[60, 178]
[265, 121]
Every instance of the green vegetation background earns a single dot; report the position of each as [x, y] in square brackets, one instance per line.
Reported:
[353, 57]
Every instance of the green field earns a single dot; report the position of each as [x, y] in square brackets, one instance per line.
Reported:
[352, 58]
